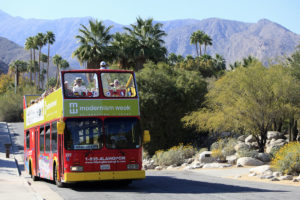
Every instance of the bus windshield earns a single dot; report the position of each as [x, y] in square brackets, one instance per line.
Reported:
[81, 85]
[83, 134]
[118, 84]
[122, 133]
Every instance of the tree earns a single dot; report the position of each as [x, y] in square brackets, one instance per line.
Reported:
[248, 99]
[147, 41]
[40, 41]
[50, 39]
[172, 59]
[29, 46]
[206, 41]
[123, 50]
[17, 67]
[194, 40]
[60, 64]
[166, 94]
[94, 44]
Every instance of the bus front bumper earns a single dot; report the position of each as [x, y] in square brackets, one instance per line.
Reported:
[102, 176]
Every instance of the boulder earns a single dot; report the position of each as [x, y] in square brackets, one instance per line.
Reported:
[274, 135]
[158, 168]
[248, 161]
[286, 177]
[205, 157]
[231, 159]
[263, 157]
[250, 139]
[277, 174]
[241, 138]
[216, 165]
[240, 146]
[260, 170]
[189, 161]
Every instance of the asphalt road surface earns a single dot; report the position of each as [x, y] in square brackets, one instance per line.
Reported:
[169, 185]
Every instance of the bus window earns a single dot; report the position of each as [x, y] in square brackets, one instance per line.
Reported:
[27, 140]
[122, 133]
[81, 85]
[83, 134]
[47, 138]
[42, 133]
[54, 137]
[118, 84]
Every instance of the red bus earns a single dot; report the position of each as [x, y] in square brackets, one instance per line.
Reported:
[87, 130]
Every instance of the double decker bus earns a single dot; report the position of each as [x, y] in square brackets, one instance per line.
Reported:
[86, 130]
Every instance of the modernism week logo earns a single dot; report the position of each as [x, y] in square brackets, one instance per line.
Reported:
[73, 108]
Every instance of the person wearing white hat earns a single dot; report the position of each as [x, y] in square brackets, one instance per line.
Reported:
[103, 65]
[79, 89]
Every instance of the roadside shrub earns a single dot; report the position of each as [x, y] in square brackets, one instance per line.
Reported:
[247, 152]
[174, 156]
[273, 151]
[223, 148]
[287, 159]
[202, 150]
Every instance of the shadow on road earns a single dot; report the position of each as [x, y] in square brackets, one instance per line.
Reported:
[166, 184]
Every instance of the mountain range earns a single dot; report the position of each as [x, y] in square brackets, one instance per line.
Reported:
[233, 40]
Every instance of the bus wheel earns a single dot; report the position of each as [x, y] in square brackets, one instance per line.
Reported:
[55, 177]
[34, 178]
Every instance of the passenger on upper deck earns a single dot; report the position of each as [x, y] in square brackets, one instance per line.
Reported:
[79, 89]
[67, 91]
[103, 65]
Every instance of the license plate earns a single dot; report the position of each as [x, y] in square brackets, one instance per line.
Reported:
[105, 167]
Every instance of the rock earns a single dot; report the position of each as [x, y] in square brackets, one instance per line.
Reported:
[148, 164]
[254, 145]
[238, 176]
[286, 177]
[205, 157]
[252, 174]
[260, 170]
[190, 160]
[274, 135]
[266, 177]
[196, 165]
[241, 138]
[248, 161]
[277, 174]
[158, 168]
[240, 146]
[250, 139]
[184, 164]
[171, 167]
[239, 165]
[216, 165]
[275, 179]
[295, 180]
[231, 159]
[263, 157]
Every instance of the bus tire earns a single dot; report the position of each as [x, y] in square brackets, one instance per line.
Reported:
[34, 178]
[58, 183]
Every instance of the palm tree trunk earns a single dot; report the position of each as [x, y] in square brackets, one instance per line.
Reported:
[30, 72]
[197, 49]
[39, 72]
[204, 48]
[200, 49]
[48, 62]
[34, 67]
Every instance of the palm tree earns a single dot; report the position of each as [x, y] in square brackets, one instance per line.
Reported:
[35, 66]
[60, 64]
[194, 40]
[17, 67]
[40, 39]
[56, 61]
[50, 39]
[206, 41]
[44, 59]
[147, 41]
[122, 49]
[94, 41]
[199, 35]
[172, 58]
[29, 46]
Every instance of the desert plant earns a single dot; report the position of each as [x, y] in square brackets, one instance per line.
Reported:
[174, 156]
[247, 152]
[287, 159]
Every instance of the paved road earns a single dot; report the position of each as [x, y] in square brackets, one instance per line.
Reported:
[171, 185]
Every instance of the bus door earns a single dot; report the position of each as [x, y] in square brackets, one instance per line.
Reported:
[60, 154]
[36, 151]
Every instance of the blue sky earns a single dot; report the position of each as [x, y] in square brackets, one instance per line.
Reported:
[284, 12]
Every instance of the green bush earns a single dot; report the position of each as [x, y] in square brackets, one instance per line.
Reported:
[287, 159]
[247, 152]
[224, 147]
[273, 151]
[174, 156]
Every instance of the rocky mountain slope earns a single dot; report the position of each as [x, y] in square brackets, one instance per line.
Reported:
[232, 39]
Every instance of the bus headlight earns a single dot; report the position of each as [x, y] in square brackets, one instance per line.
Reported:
[76, 168]
[133, 166]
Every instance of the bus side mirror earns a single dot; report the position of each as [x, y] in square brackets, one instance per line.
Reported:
[146, 138]
[60, 127]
